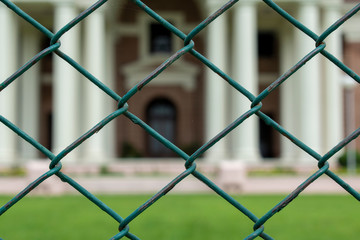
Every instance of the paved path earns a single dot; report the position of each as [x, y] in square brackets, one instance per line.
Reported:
[132, 185]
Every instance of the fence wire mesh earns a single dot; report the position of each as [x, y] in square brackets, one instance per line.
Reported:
[190, 161]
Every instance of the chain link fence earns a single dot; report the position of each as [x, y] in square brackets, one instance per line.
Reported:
[190, 161]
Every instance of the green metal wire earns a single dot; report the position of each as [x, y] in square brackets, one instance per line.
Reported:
[55, 165]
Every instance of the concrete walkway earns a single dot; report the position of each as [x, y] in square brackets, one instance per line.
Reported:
[138, 185]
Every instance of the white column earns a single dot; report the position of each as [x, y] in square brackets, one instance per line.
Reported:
[94, 59]
[308, 82]
[30, 93]
[110, 105]
[215, 94]
[334, 103]
[245, 142]
[8, 96]
[289, 97]
[65, 83]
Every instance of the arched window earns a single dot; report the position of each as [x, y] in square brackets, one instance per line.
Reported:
[161, 116]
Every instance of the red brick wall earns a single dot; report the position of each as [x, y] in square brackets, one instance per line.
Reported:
[352, 60]
[189, 104]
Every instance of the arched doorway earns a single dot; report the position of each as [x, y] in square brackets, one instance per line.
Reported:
[161, 116]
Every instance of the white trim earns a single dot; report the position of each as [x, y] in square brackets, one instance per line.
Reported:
[180, 74]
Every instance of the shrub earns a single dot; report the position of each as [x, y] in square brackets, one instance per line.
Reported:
[343, 158]
[129, 151]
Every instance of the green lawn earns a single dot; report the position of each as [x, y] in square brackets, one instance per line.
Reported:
[187, 217]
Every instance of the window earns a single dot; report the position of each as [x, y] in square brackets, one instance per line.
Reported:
[266, 139]
[161, 116]
[156, 41]
[160, 39]
[266, 44]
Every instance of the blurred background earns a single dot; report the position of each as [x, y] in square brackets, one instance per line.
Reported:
[188, 103]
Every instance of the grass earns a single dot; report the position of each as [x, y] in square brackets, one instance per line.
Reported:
[181, 217]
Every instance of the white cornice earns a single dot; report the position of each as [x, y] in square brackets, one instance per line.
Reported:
[181, 74]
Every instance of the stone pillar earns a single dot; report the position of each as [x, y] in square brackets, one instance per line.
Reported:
[332, 85]
[94, 59]
[30, 94]
[66, 83]
[215, 93]
[8, 96]
[308, 82]
[245, 139]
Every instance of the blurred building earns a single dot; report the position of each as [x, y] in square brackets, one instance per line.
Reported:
[188, 104]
